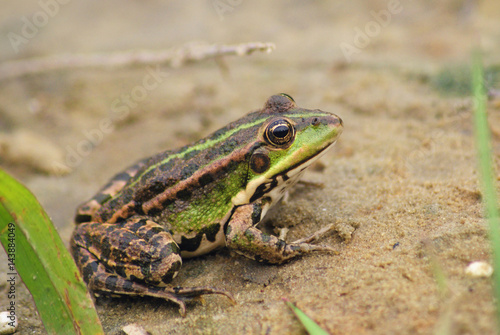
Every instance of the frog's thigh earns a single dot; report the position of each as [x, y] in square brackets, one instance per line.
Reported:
[138, 249]
[243, 237]
[133, 258]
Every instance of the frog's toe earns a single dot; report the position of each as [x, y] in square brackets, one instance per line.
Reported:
[168, 296]
[325, 248]
[179, 295]
[317, 235]
[306, 248]
[189, 293]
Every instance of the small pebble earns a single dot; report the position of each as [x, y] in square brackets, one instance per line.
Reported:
[479, 269]
[134, 329]
[6, 324]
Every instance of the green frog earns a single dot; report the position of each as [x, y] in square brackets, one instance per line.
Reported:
[131, 237]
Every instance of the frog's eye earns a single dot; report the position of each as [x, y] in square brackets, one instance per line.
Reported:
[280, 133]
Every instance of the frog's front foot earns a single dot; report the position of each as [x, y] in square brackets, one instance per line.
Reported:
[244, 238]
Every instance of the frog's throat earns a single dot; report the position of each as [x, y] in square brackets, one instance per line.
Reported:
[275, 186]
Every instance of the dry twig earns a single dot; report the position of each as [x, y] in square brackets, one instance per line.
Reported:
[174, 57]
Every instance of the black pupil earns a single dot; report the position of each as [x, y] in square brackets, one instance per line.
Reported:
[280, 131]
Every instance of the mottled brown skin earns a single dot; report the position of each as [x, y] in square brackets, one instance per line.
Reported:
[131, 236]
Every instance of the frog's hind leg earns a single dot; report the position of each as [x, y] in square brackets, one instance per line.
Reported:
[137, 257]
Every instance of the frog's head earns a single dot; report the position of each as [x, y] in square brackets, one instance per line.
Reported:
[287, 142]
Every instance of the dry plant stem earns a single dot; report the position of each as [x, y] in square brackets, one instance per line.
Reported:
[174, 57]
[317, 235]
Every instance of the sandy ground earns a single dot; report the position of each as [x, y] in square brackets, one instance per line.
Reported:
[401, 184]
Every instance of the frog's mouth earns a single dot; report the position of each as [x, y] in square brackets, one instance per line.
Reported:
[275, 186]
[301, 166]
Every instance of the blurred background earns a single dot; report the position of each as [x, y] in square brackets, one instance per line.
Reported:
[400, 184]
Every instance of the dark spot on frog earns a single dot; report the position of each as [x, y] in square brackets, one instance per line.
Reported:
[175, 267]
[121, 271]
[211, 231]
[80, 218]
[128, 286]
[154, 187]
[256, 214]
[265, 238]
[205, 179]
[191, 244]
[105, 246]
[84, 259]
[259, 192]
[263, 189]
[110, 283]
[89, 269]
[156, 211]
[183, 195]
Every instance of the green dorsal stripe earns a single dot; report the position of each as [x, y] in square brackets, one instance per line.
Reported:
[210, 143]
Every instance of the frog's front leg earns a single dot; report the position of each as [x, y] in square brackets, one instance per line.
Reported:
[243, 237]
[136, 257]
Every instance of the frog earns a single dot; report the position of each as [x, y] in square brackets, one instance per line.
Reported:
[131, 237]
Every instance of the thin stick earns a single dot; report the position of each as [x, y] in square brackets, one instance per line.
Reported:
[174, 57]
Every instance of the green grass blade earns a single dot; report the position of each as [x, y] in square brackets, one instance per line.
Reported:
[308, 323]
[487, 173]
[43, 263]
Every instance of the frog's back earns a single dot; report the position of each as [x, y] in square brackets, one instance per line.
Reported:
[180, 176]
[121, 189]
[86, 211]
